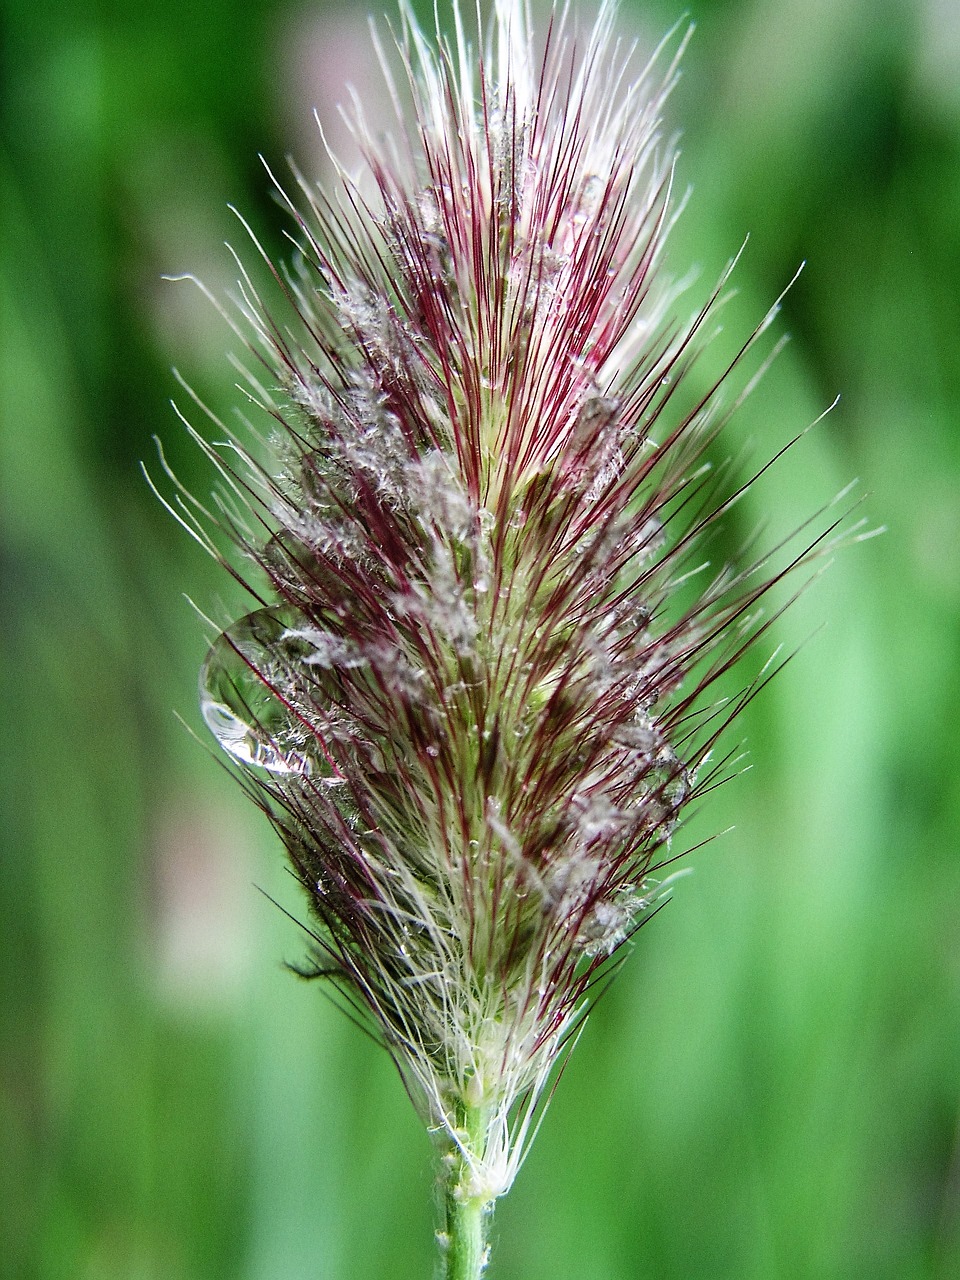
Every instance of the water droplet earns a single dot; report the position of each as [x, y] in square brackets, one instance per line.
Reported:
[240, 683]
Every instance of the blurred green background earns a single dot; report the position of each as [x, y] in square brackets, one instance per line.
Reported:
[771, 1088]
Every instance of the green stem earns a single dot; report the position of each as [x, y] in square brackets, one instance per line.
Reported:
[464, 1237]
[464, 1218]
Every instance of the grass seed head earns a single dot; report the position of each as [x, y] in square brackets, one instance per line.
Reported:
[474, 699]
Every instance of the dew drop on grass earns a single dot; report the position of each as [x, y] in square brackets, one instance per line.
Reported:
[246, 683]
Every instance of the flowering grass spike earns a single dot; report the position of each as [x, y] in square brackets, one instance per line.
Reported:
[473, 697]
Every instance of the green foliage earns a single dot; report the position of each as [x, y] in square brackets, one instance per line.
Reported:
[770, 1088]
